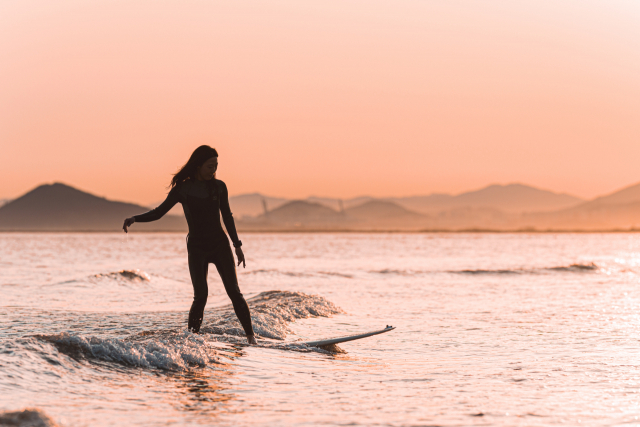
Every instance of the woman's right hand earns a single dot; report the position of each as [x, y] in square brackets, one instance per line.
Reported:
[127, 223]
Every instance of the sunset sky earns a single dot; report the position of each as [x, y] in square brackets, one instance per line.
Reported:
[327, 98]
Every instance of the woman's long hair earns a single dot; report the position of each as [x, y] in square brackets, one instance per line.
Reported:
[197, 159]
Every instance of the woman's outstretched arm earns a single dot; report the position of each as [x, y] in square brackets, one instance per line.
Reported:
[154, 214]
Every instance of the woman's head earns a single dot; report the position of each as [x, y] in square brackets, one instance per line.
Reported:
[201, 165]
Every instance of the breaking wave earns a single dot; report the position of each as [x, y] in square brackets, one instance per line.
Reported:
[272, 312]
[176, 349]
[489, 271]
[298, 274]
[576, 268]
[122, 277]
[177, 353]
[399, 272]
[131, 275]
[572, 268]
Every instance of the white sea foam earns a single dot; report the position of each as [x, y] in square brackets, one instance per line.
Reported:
[271, 313]
[176, 352]
[179, 350]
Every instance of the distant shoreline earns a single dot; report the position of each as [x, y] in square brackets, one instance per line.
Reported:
[337, 231]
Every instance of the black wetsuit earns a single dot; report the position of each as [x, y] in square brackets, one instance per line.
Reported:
[207, 242]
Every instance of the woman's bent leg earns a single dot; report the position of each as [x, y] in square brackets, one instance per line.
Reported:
[198, 267]
[226, 267]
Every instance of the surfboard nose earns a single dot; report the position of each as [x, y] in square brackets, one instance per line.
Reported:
[347, 338]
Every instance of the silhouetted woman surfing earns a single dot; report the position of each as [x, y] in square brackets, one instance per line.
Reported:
[203, 197]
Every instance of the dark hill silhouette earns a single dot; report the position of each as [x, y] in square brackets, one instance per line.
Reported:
[381, 210]
[335, 204]
[431, 203]
[59, 207]
[295, 215]
[380, 214]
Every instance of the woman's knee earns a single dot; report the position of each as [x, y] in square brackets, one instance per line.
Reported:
[235, 295]
[200, 298]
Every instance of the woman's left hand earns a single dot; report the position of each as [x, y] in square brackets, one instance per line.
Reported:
[240, 256]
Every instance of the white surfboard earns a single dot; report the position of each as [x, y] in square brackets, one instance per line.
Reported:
[332, 341]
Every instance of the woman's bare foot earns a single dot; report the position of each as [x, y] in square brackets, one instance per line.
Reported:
[252, 339]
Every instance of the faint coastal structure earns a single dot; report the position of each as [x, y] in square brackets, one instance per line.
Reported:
[264, 208]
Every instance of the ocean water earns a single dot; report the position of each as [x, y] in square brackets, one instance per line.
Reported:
[492, 330]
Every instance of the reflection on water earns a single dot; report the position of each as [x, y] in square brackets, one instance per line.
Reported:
[206, 391]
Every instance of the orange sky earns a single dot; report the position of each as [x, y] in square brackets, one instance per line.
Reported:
[329, 98]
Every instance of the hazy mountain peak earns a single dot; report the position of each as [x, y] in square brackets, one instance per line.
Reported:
[52, 195]
[376, 209]
[510, 198]
[628, 194]
[302, 209]
[510, 190]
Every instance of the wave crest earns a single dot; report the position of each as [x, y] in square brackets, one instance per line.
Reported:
[578, 268]
[271, 271]
[271, 313]
[175, 353]
[176, 349]
[572, 268]
[134, 275]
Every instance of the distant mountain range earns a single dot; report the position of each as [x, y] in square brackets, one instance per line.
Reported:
[512, 198]
[58, 207]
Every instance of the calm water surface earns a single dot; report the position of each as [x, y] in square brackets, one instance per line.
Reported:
[492, 329]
